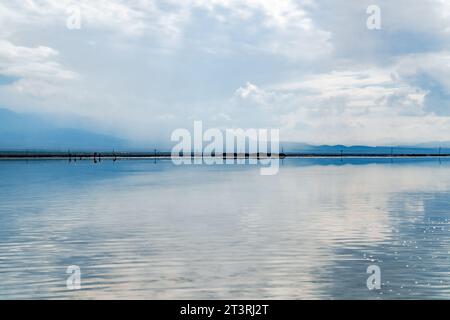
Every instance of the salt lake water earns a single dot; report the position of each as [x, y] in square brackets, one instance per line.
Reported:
[145, 229]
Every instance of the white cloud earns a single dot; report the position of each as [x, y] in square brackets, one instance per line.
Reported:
[365, 105]
[36, 71]
[275, 27]
[286, 27]
[310, 67]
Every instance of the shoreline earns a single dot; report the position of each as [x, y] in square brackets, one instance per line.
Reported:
[131, 155]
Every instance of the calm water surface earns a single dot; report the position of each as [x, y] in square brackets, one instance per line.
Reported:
[146, 230]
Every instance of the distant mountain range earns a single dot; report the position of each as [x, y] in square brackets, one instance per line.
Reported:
[425, 148]
[33, 132]
[27, 131]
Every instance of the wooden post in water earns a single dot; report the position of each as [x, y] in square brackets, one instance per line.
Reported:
[440, 149]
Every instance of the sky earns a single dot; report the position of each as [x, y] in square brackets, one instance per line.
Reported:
[313, 69]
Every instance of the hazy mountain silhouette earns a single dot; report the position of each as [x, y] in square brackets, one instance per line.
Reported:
[424, 148]
[32, 132]
[27, 131]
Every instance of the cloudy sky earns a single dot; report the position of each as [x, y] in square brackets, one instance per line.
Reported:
[142, 68]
